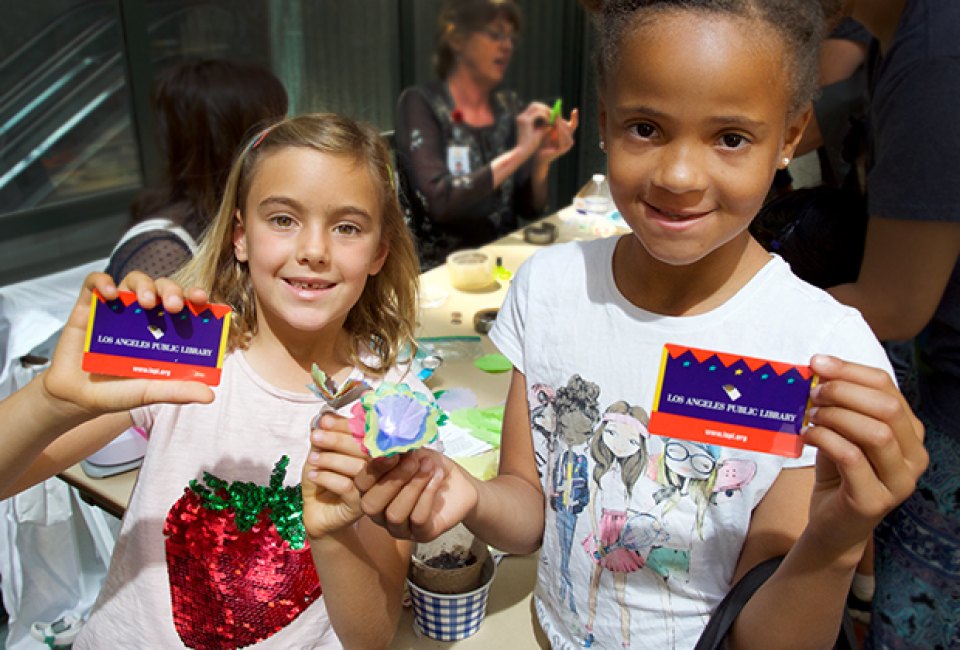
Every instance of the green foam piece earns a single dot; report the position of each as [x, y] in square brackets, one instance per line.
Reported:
[555, 111]
[493, 363]
[483, 423]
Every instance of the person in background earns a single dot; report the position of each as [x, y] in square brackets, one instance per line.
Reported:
[909, 288]
[205, 110]
[700, 101]
[310, 250]
[835, 127]
[471, 158]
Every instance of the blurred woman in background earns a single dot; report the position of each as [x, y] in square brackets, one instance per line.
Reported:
[472, 158]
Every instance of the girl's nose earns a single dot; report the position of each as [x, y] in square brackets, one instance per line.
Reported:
[312, 246]
[680, 169]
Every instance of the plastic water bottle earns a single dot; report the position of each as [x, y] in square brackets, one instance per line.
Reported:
[598, 199]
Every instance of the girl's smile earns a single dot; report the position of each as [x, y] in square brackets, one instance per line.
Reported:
[678, 219]
[308, 288]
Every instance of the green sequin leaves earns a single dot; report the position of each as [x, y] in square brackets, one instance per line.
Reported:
[248, 500]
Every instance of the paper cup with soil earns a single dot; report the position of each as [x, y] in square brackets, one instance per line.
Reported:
[449, 580]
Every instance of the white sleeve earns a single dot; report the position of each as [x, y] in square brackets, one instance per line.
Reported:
[509, 328]
[851, 339]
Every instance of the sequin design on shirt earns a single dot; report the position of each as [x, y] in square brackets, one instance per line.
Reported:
[238, 560]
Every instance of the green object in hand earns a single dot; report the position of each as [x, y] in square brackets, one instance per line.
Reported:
[556, 110]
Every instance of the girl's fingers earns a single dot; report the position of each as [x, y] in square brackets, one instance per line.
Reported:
[400, 493]
[332, 482]
[319, 460]
[399, 512]
[337, 442]
[176, 392]
[422, 518]
[535, 109]
[142, 285]
[892, 455]
[335, 422]
[103, 283]
[886, 400]
[864, 392]
[136, 280]
[861, 423]
[412, 515]
[875, 479]
[831, 367]
[377, 468]
[172, 295]
[378, 497]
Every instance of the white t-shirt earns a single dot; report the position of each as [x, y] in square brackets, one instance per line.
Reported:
[643, 532]
[239, 437]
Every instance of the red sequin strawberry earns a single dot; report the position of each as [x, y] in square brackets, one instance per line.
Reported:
[238, 560]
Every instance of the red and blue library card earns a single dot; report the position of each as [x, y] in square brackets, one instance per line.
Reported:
[126, 340]
[731, 400]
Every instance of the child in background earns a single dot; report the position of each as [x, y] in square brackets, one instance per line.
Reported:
[205, 111]
[700, 102]
[311, 252]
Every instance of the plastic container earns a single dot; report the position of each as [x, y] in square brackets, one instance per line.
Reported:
[597, 199]
[470, 270]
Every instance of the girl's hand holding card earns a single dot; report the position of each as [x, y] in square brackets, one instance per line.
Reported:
[871, 450]
[88, 394]
[130, 335]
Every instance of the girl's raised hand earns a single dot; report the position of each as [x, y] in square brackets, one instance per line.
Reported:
[81, 394]
[331, 501]
[417, 495]
[870, 451]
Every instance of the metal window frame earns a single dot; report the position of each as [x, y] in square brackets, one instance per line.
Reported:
[135, 49]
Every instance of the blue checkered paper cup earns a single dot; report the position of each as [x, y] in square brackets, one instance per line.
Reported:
[449, 617]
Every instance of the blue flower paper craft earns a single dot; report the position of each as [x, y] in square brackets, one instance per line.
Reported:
[394, 419]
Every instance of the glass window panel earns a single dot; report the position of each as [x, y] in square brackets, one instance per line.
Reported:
[190, 30]
[65, 127]
[350, 62]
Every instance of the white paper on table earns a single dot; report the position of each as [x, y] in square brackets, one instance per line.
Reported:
[460, 443]
[454, 399]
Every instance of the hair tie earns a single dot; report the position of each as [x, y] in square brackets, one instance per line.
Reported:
[260, 138]
[393, 186]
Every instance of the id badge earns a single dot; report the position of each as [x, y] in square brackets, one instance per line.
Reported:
[458, 160]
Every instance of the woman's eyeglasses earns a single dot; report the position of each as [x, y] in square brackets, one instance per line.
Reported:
[502, 37]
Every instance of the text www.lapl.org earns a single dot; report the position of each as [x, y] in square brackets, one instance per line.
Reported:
[152, 371]
[726, 435]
